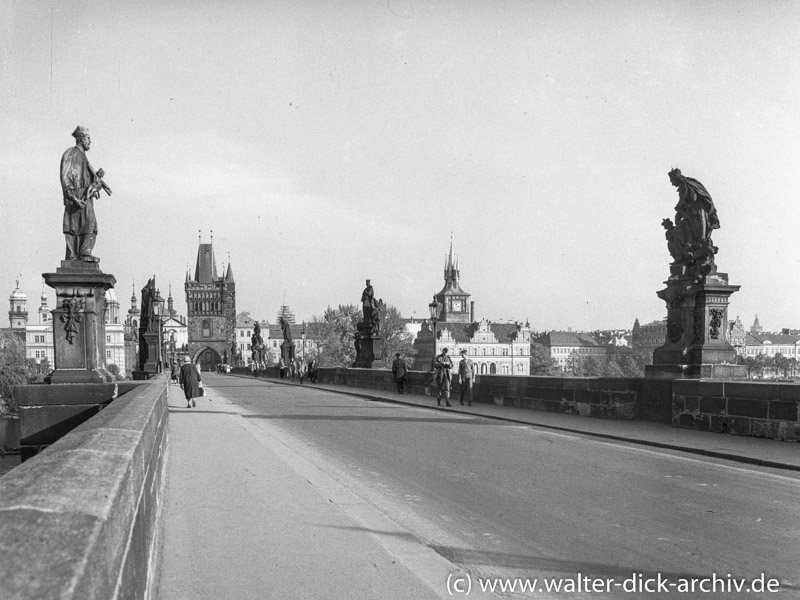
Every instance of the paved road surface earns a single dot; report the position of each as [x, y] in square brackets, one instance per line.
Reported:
[504, 500]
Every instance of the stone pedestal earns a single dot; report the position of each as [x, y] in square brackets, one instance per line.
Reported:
[697, 342]
[287, 353]
[79, 331]
[365, 353]
[151, 339]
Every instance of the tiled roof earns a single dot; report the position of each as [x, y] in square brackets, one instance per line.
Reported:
[775, 338]
[567, 338]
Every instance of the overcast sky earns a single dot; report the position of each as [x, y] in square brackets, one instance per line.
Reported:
[330, 142]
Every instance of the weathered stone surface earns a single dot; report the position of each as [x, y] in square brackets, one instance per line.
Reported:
[84, 511]
[784, 411]
[748, 408]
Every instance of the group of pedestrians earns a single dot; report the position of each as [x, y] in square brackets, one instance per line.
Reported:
[298, 369]
[442, 366]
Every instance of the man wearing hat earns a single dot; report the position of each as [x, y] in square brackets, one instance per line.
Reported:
[81, 185]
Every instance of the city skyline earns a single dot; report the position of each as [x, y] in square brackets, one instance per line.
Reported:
[326, 146]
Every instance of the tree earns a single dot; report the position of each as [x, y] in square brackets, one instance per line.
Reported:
[336, 331]
[630, 368]
[541, 363]
[13, 365]
[593, 366]
[574, 364]
[395, 339]
[613, 369]
[781, 364]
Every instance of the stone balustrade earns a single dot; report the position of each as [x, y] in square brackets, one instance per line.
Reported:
[81, 520]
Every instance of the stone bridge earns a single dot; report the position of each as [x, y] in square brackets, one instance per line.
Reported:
[83, 519]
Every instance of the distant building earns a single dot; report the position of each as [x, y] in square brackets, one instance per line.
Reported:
[211, 310]
[496, 348]
[756, 327]
[39, 335]
[131, 335]
[176, 333]
[771, 344]
[566, 346]
[646, 338]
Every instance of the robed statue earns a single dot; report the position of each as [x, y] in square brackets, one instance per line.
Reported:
[371, 309]
[689, 237]
[80, 185]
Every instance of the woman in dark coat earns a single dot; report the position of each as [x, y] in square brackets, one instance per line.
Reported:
[190, 381]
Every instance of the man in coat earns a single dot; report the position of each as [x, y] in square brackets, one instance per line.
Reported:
[190, 381]
[443, 363]
[80, 185]
[399, 371]
[466, 372]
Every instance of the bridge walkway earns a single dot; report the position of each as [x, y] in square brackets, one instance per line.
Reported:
[247, 517]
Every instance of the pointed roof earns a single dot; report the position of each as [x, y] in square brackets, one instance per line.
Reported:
[206, 269]
[451, 275]
[229, 274]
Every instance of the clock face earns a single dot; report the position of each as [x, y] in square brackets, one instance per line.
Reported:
[456, 305]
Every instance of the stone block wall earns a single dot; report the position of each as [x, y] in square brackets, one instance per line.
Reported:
[758, 409]
[81, 520]
[769, 410]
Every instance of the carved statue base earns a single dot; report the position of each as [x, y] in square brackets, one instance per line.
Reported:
[365, 353]
[697, 343]
[287, 353]
[79, 330]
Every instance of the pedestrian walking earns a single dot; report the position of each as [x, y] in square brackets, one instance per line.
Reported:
[300, 369]
[466, 373]
[190, 381]
[281, 368]
[312, 370]
[175, 371]
[399, 371]
[443, 363]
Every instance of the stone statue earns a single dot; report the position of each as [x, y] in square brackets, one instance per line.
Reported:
[371, 308]
[689, 238]
[257, 345]
[287, 332]
[147, 322]
[81, 185]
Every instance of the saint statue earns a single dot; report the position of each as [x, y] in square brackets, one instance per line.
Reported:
[80, 185]
[689, 238]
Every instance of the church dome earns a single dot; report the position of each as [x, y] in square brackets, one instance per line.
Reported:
[17, 294]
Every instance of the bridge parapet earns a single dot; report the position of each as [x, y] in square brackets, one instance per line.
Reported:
[81, 519]
[759, 409]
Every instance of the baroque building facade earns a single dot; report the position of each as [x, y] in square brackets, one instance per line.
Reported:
[211, 310]
[495, 348]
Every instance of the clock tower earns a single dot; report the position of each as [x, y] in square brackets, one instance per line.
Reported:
[453, 301]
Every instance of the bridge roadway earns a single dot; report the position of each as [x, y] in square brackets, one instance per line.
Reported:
[280, 491]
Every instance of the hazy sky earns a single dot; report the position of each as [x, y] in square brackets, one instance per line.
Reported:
[330, 142]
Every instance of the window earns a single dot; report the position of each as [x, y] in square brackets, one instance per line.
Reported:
[108, 339]
[108, 354]
[206, 325]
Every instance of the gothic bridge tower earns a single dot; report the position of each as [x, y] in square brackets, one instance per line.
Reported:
[211, 302]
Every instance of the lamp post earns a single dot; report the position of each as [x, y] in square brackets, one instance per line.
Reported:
[303, 338]
[434, 308]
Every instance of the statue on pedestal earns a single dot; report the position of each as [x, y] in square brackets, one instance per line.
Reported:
[696, 295]
[80, 185]
[371, 309]
[689, 238]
